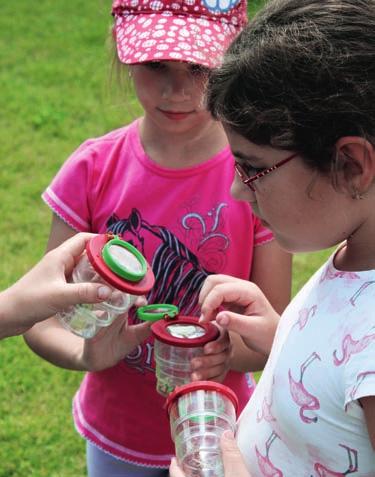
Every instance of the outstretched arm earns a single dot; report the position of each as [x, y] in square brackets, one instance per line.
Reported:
[272, 273]
[44, 290]
[54, 343]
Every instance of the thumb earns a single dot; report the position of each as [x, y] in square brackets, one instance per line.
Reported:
[242, 324]
[256, 331]
[232, 459]
[140, 331]
[83, 293]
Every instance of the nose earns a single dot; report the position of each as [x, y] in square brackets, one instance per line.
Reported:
[240, 191]
[177, 86]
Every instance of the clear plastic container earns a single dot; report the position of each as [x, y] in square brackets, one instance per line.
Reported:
[86, 320]
[177, 342]
[199, 413]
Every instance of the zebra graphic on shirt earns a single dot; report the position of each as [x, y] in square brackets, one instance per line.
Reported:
[178, 273]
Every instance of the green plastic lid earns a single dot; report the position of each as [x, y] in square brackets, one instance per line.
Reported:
[157, 311]
[124, 260]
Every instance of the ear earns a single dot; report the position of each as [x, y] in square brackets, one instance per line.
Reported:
[356, 161]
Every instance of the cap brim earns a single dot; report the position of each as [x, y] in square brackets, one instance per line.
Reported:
[160, 37]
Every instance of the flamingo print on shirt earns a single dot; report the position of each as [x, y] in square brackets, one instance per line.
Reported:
[360, 378]
[266, 413]
[300, 395]
[331, 274]
[359, 292]
[304, 316]
[265, 465]
[349, 346]
[322, 471]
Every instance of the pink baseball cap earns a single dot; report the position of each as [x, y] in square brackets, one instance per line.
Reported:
[195, 31]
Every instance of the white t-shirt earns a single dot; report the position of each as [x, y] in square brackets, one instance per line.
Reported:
[304, 418]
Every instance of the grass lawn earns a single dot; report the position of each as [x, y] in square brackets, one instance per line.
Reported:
[55, 93]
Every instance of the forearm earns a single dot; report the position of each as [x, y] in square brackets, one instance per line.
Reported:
[11, 321]
[57, 345]
[244, 359]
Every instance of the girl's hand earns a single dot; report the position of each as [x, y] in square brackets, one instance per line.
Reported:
[44, 290]
[175, 470]
[214, 364]
[249, 313]
[233, 462]
[113, 343]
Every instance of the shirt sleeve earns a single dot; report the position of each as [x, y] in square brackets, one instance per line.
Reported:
[360, 368]
[70, 193]
[262, 235]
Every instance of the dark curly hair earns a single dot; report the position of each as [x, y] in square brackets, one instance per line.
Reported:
[300, 76]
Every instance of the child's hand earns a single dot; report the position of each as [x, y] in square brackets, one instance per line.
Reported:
[113, 343]
[44, 290]
[214, 364]
[233, 462]
[175, 470]
[257, 322]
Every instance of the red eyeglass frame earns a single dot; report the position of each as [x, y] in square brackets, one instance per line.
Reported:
[249, 180]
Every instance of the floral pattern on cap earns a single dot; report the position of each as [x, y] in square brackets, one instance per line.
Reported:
[196, 31]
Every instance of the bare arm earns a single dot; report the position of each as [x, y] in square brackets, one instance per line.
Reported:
[49, 339]
[44, 290]
[272, 272]
[60, 347]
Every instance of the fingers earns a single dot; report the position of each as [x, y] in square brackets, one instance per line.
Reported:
[214, 364]
[76, 245]
[136, 334]
[209, 284]
[232, 458]
[140, 301]
[64, 257]
[212, 373]
[234, 293]
[82, 293]
[175, 470]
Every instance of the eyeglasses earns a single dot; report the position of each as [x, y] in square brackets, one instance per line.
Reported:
[249, 179]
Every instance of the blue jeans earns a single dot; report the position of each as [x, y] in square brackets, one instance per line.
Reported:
[101, 464]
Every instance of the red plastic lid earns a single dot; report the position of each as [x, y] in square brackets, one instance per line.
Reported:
[94, 252]
[198, 386]
[184, 331]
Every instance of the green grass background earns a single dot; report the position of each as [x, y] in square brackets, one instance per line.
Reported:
[54, 92]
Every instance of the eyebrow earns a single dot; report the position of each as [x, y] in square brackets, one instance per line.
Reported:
[245, 157]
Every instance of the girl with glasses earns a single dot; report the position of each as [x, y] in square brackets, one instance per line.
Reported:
[296, 95]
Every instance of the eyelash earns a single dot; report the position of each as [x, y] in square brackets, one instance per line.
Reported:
[154, 65]
[250, 170]
[195, 70]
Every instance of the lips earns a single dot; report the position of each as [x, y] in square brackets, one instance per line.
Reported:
[176, 115]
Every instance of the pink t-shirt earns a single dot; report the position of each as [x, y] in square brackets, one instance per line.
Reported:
[188, 226]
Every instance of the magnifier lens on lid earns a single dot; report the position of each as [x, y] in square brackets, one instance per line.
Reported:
[124, 260]
[186, 331]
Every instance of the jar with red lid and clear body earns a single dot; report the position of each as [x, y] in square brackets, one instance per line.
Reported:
[117, 265]
[199, 413]
[177, 342]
